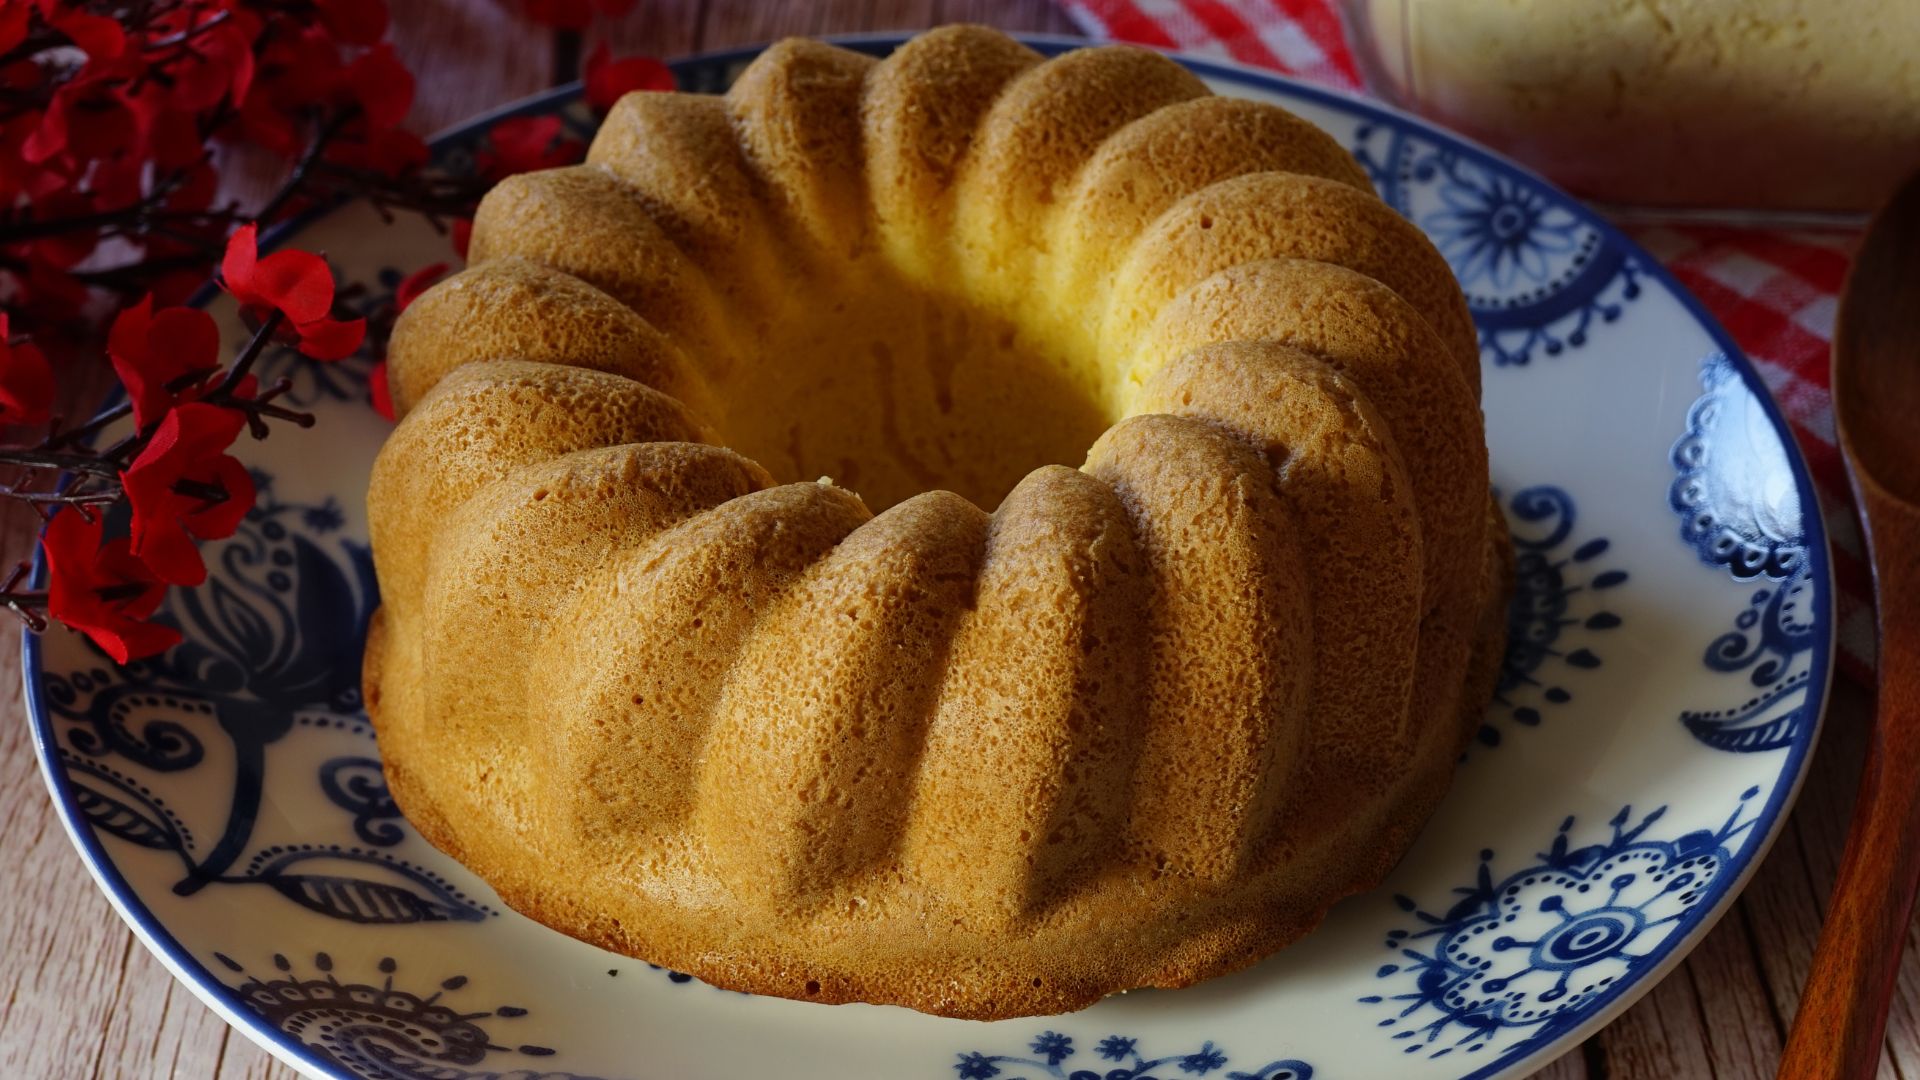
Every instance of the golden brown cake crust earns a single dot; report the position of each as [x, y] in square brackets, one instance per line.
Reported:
[1139, 724]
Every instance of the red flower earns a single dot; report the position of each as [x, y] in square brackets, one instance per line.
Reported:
[298, 285]
[574, 14]
[381, 86]
[100, 37]
[461, 235]
[88, 118]
[414, 284]
[217, 64]
[26, 382]
[185, 485]
[528, 144]
[380, 391]
[355, 22]
[13, 25]
[102, 590]
[609, 80]
[150, 351]
[389, 152]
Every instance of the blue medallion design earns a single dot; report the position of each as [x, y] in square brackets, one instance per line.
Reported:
[1522, 959]
[381, 1031]
[1050, 1051]
[1734, 488]
[1540, 276]
[272, 648]
[1557, 610]
[1772, 643]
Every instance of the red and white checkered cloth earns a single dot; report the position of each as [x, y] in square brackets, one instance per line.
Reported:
[1774, 291]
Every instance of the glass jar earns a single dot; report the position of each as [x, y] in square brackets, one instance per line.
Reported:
[1777, 104]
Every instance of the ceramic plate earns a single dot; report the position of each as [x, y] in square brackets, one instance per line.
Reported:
[1671, 639]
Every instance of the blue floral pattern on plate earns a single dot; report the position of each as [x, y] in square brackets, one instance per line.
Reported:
[1740, 511]
[1517, 959]
[1051, 1051]
[1734, 492]
[381, 1031]
[1553, 628]
[1540, 275]
[273, 647]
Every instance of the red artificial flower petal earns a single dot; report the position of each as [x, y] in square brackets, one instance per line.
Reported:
[50, 136]
[177, 286]
[13, 26]
[608, 80]
[461, 236]
[238, 261]
[188, 450]
[149, 351]
[296, 283]
[198, 185]
[331, 339]
[382, 85]
[528, 144]
[389, 152]
[80, 568]
[355, 22]
[67, 248]
[222, 519]
[380, 391]
[26, 382]
[218, 64]
[100, 37]
[49, 292]
[560, 14]
[265, 124]
[414, 284]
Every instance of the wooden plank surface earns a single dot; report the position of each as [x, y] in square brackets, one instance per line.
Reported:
[80, 998]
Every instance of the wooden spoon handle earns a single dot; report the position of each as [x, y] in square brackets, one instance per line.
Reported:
[1838, 1032]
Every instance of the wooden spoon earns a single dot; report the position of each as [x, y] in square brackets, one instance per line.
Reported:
[1876, 398]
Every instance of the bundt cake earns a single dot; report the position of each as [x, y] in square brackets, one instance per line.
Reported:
[667, 688]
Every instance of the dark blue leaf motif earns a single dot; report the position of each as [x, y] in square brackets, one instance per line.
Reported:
[1553, 620]
[1527, 957]
[272, 643]
[358, 785]
[381, 1031]
[117, 818]
[379, 889]
[1772, 644]
[118, 806]
[1053, 1049]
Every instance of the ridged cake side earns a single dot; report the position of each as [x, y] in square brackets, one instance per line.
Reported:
[1140, 724]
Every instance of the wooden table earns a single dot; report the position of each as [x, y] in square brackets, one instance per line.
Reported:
[79, 997]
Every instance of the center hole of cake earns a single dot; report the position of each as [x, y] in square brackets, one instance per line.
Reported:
[890, 392]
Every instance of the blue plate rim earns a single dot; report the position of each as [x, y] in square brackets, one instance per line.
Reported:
[219, 996]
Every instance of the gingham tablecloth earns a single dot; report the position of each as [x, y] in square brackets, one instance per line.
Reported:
[1775, 291]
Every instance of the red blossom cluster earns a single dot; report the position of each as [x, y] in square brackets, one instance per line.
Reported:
[574, 14]
[173, 473]
[115, 120]
[113, 114]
